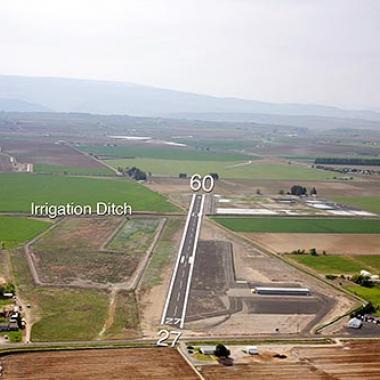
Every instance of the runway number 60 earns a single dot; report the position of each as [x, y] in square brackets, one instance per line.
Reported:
[206, 183]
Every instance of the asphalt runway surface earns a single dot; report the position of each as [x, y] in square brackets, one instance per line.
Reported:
[177, 298]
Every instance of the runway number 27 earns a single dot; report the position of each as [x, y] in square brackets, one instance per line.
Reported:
[165, 335]
[206, 183]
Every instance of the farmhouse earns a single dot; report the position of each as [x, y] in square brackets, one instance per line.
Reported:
[282, 291]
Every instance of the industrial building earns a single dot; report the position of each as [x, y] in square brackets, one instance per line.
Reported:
[281, 291]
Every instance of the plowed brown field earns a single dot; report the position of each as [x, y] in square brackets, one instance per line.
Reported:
[355, 361]
[127, 363]
[334, 244]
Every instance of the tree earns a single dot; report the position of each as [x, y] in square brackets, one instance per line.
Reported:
[9, 288]
[313, 191]
[281, 192]
[258, 192]
[137, 174]
[222, 351]
[313, 252]
[362, 280]
[298, 190]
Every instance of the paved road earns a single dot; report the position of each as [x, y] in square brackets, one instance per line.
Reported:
[176, 301]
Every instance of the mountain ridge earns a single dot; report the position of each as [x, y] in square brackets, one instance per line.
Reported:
[112, 97]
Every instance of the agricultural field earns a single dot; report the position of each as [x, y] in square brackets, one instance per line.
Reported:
[59, 314]
[301, 225]
[125, 317]
[73, 253]
[131, 151]
[37, 151]
[166, 247]
[18, 190]
[72, 170]
[371, 262]
[333, 244]
[17, 230]
[68, 314]
[330, 264]
[353, 360]
[371, 204]
[136, 235]
[245, 169]
[131, 363]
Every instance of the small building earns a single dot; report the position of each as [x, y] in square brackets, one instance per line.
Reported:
[282, 291]
[207, 350]
[355, 323]
[13, 326]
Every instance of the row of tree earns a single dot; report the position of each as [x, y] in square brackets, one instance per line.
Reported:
[348, 161]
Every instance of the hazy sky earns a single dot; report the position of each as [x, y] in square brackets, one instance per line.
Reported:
[321, 51]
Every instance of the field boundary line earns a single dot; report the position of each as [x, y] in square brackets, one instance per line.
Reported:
[113, 234]
[94, 158]
[189, 362]
[29, 252]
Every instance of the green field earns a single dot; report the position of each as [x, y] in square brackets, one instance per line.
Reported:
[369, 294]
[136, 235]
[330, 264]
[70, 314]
[225, 169]
[71, 170]
[371, 262]
[231, 145]
[366, 203]
[126, 318]
[300, 225]
[18, 190]
[131, 151]
[17, 230]
[163, 251]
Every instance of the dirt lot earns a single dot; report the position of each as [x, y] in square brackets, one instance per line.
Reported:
[41, 152]
[335, 244]
[73, 253]
[359, 361]
[129, 363]
[210, 283]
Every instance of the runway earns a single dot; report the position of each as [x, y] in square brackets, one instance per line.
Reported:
[176, 302]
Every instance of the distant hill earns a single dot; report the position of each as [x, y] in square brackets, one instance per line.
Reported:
[102, 97]
[16, 105]
[310, 121]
